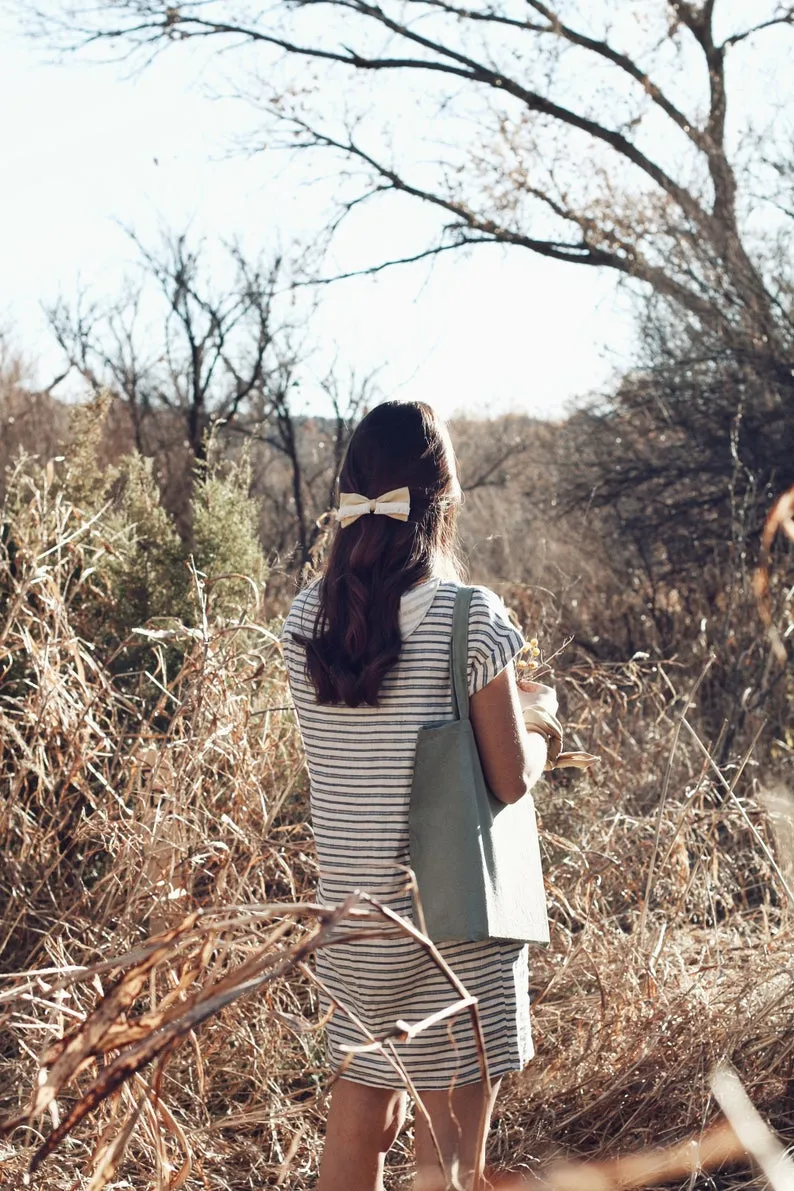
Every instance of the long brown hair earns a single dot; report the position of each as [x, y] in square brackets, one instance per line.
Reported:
[374, 560]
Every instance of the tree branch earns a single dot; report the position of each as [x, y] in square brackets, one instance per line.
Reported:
[449, 61]
[624, 62]
[786, 18]
[632, 264]
[688, 248]
[373, 270]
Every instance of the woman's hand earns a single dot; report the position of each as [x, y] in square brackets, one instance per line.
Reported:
[537, 694]
[539, 712]
[539, 709]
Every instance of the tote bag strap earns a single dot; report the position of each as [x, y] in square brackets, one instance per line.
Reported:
[459, 653]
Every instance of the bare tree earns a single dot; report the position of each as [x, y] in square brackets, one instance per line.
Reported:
[192, 351]
[685, 457]
[541, 89]
[189, 359]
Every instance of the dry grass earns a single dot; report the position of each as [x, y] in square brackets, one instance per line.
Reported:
[173, 799]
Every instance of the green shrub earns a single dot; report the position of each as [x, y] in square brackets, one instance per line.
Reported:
[144, 565]
[226, 546]
[130, 565]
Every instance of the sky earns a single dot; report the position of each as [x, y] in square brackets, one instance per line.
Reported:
[90, 149]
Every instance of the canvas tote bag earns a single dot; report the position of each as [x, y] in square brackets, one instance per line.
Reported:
[476, 859]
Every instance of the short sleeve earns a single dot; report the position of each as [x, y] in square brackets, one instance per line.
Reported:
[300, 620]
[493, 638]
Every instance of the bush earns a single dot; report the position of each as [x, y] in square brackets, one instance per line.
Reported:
[226, 545]
[139, 566]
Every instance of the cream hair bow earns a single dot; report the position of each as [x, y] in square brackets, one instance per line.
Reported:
[396, 504]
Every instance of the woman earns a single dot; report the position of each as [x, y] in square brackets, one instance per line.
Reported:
[367, 651]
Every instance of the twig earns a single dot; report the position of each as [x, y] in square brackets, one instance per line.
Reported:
[729, 789]
[663, 797]
[753, 1132]
[389, 1054]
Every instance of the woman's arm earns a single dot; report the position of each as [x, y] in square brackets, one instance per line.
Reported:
[512, 758]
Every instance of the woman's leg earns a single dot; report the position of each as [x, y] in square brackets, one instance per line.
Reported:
[362, 1126]
[456, 1116]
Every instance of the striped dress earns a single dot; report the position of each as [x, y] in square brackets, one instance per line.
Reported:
[360, 763]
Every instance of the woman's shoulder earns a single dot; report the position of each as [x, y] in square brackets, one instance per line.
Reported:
[303, 609]
[484, 601]
[489, 619]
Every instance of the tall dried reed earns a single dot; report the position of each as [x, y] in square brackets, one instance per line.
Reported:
[157, 921]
